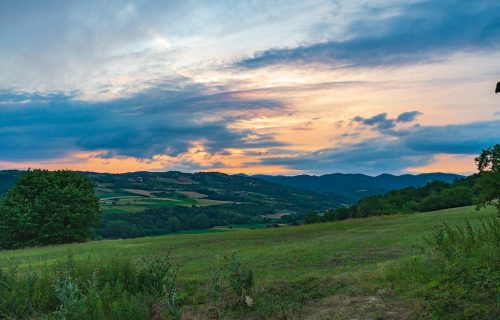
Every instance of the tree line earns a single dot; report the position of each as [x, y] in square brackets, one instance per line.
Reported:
[157, 221]
[482, 188]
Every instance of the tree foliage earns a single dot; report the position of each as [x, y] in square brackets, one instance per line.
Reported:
[435, 195]
[48, 207]
[488, 164]
[311, 217]
[156, 221]
[482, 188]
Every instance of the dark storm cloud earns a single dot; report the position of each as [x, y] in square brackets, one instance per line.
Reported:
[420, 31]
[40, 127]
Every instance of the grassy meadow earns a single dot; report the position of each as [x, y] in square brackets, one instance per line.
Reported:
[327, 270]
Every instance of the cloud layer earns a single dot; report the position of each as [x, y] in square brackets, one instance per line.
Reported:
[413, 32]
[156, 122]
[415, 146]
[248, 86]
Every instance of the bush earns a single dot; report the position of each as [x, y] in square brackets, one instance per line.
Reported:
[158, 278]
[311, 217]
[78, 289]
[240, 279]
[116, 289]
[459, 275]
[230, 288]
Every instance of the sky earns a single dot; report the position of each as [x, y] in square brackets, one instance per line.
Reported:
[249, 86]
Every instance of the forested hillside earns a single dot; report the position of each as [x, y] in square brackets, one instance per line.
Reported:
[435, 195]
[358, 186]
[151, 203]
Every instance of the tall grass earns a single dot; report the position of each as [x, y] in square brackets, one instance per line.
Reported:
[120, 289]
[79, 289]
[459, 275]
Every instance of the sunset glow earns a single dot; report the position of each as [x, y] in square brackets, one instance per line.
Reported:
[275, 87]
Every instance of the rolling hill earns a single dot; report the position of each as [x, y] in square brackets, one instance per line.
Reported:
[208, 188]
[157, 189]
[339, 270]
[357, 186]
[152, 203]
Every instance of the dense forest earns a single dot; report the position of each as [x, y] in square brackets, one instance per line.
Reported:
[435, 195]
[156, 221]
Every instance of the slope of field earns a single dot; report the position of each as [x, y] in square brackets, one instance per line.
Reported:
[327, 270]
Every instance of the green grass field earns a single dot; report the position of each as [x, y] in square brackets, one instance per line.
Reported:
[322, 268]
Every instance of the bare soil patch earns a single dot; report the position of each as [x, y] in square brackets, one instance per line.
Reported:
[378, 306]
[146, 193]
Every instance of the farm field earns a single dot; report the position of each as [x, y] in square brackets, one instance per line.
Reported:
[319, 271]
[124, 204]
[137, 200]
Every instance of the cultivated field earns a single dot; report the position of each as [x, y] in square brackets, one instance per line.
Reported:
[138, 200]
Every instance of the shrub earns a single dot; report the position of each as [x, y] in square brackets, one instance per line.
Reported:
[311, 217]
[240, 278]
[78, 289]
[459, 275]
[158, 277]
[230, 286]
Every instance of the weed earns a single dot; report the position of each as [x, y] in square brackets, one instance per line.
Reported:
[241, 279]
[459, 275]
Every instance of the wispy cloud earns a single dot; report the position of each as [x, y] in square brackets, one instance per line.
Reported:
[411, 32]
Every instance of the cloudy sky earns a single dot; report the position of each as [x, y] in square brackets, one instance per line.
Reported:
[255, 86]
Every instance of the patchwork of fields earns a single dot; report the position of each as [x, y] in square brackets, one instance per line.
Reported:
[126, 200]
[136, 192]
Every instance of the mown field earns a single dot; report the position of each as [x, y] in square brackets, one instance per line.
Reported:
[320, 271]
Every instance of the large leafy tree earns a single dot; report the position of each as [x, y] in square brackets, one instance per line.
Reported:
[488, 164]
[48, 207]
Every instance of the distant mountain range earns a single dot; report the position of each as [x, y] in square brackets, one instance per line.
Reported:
[327, 189]
[356, 186]
[173, 188]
